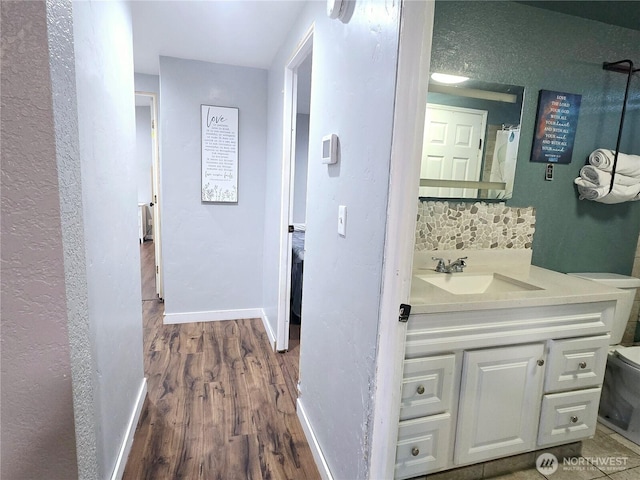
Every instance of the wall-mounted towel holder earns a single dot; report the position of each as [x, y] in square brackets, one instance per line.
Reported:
[626, 67]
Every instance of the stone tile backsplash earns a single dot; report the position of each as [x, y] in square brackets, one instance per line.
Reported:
[456, 226]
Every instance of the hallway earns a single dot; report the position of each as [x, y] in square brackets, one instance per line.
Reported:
[220, 402]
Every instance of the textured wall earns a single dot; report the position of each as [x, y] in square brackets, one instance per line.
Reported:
[38, 438]
[106, 127]
[512, 43]
[212, 253]
[353, 89]
[473, 226]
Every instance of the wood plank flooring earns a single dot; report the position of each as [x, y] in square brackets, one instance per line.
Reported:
[220, 404]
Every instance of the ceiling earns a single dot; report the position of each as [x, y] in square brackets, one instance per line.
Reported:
[249, 32]
[620, 13]
[234, 32]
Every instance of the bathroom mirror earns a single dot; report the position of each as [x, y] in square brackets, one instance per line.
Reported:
[471, 139]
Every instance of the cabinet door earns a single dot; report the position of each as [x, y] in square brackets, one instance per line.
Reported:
[427, 386]
[499, 402]
[569, 416]
[423, 445]
[576, 363]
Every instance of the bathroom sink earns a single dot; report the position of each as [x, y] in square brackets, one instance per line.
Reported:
[468, 284]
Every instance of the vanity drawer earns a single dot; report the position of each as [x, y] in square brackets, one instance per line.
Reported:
[568, 416]
[427, 386]
[576, 363]
[423, 445]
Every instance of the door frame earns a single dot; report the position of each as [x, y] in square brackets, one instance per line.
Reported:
[300, 53]
[414, 56]
[155, 191]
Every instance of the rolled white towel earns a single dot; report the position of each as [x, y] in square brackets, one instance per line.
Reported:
[601, 178]
[627, 164]
[620, 193]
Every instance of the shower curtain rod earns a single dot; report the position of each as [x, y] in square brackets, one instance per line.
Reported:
[626, 67]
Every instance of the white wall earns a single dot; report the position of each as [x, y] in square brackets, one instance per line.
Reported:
[106, 122]
[38, 438]
[147, 83]
[72, 323]
[302, 158]
[144, 154]
[352, 95]
[212, 253]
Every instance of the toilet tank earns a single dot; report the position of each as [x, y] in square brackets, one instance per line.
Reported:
[623, 308]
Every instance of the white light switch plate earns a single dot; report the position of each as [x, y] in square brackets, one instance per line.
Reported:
[342, 220]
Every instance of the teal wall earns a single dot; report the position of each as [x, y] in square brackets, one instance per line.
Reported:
[513, 43]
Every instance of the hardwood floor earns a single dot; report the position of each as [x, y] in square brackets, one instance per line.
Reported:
[220, 402]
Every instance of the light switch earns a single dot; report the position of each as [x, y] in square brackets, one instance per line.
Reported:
[342, 220]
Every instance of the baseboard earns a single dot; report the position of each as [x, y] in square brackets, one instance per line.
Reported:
[270, 333]
[212, 316]
[125, 448]
[321, 462]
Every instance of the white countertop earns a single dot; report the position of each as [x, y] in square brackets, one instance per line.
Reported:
[554, 289]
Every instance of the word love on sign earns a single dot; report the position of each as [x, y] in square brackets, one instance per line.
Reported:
[219, 128]
[556, 126]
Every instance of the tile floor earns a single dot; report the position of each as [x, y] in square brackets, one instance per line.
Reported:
[605, 446]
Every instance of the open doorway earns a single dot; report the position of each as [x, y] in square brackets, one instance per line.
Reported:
[147, 173]
[297, 114]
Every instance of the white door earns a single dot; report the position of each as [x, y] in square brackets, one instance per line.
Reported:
[500, 399]
[302, 52]
[152, 99]
[452, 148]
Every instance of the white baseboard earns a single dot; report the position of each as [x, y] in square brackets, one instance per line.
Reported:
[270, 333]
[321, 462]
[125, 448]
[212, 316]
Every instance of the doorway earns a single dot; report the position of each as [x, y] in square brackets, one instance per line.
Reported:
[148, 174]
[452, 148]
[297, 112]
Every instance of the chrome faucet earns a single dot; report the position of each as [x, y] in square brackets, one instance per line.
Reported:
[452, 267]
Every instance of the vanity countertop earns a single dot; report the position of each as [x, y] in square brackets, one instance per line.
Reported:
[551, 288]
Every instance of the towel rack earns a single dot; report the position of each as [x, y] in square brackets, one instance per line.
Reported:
[626, 67]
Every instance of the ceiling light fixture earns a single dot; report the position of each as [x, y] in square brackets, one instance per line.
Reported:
[448, 79]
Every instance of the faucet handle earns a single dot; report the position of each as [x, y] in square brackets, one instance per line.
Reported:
[459, 264]
[441, 267]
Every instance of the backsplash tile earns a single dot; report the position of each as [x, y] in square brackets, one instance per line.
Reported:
[455, 226]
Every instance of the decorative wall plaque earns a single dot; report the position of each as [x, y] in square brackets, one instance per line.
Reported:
[219, 153]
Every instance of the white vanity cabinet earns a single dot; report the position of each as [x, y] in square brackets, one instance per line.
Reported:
[480, 385]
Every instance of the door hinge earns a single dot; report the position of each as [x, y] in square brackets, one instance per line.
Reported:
[405, 310]
[290, 228]
[480, 145]
[153, 124]
[157, 269]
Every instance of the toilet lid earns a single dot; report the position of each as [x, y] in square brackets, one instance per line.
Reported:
[630, 355]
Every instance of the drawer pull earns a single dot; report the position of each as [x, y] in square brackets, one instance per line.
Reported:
[574, 419]
[540, 362]
[415, 451]
[420, 389]
[582, 365]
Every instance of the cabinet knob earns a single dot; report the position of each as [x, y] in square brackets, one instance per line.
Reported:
[574, 419]
[582, 364]
[420, 389]
[540, 362]
[415, 451]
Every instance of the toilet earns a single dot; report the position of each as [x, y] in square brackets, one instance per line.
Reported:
[620, 400]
